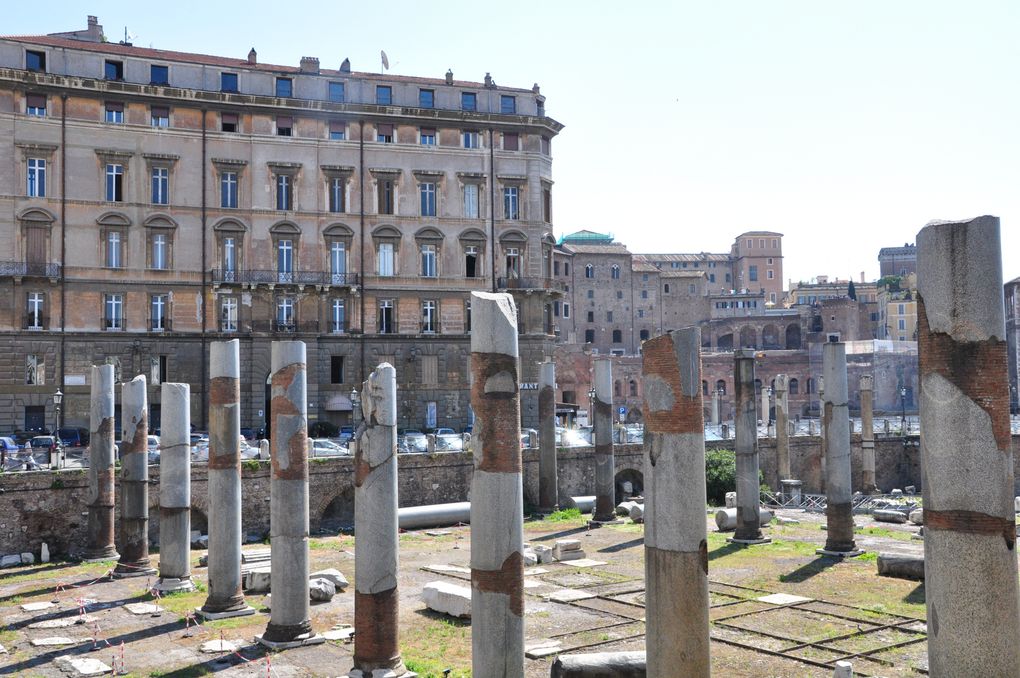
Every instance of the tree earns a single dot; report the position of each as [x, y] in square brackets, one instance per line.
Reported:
[851, 291]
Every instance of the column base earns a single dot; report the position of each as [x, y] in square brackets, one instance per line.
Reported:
[226, 614]
[381, 673]
[838, 554]
[130, 574]
[749, 542]
[100, 557]
[595, 522]
[171, 584]
[299, 641]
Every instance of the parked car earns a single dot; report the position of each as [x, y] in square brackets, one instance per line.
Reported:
[200, 450]
[8, 448]
[249, 433]
[152, 443]
[73, 437]
[442, 431]
[412, 442]
[324, 447]
[450, 442]
[44, 443]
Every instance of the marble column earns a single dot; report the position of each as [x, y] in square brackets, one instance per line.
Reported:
[839, 517]
[746, 425]
[548, 497]
[823, 440]
[970, 558]
[867, 434]
[676, 546]
[782, 395]
[102, 472]
[134, 481]
[376, 560]
[497, 506]
[290, 620]
[715, 407]
[175, 489]
[605, 464]
[225, 597]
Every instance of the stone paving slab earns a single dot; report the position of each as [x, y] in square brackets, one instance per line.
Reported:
[783, 599]
[82, 666]
[568, 595]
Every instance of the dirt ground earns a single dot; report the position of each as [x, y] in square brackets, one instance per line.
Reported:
[850, 612]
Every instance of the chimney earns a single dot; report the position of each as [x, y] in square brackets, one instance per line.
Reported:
[862, 277]
[252, 56]
[449, 76]
[345, 67]
[310, 65]
[488, 81]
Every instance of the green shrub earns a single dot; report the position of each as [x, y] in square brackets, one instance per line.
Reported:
[721, 475]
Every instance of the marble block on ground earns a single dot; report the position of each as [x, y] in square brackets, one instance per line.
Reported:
[447, 598]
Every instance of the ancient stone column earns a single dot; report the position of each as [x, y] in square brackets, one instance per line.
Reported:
[548, 497]
[290, 621]
[782, 391]
[605, 464]
[822, 455]
[225, 598]
[134, 481]
[746, 425]
[970, 558]
[765, 409]
[175, 489]
[102, 478]
[867, 434]
[497, 506]
[715, 407]
[839, 516]
[676, 547]
[376, 563]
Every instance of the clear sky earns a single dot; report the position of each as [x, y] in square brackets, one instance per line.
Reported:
[845, 126]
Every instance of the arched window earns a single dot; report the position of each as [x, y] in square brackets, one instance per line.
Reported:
[589, 271]
[793, 388]
[589, 336]
[615, 272]
[633, 387]
[665, 288]
[617, 336]
[617, 388]
[720, 387]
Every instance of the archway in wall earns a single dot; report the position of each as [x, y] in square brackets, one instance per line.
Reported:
[636, 480]
[748, 337]
[770, 338]
[793, 337]
[339, 513]
[725, 342]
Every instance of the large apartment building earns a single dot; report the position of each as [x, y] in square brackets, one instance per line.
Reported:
[153, 201]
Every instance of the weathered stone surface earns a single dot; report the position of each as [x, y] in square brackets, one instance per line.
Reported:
[55, 641]
[544, 553]
[889, 516]
[637, 513]
[218, 647]
[27, 559]
[600, 665]
[844, 669]
[13, 560]
[568, 595]
[726, 519]
[917, 516]
[447, 598]
[82, 666]
[321, 590]
[901, 566]
[343, 632]
[731, 500]
[142, 608]
[333, 575]
[529, 557]
[258, 580]
[36, 607]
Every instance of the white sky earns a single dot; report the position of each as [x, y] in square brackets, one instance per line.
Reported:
[846, 127]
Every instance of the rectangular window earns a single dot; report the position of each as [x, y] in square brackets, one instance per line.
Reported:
[770, 274]
[591, 316]
[900, 309]
[115, 183]
[34, 310]
[752, 273]
[284, 126]
[36, 178]
[285, 314]
[609, 316]
[158, 313]
[337, 130]
[426, 98]
[114, 112]
[384, 133]
[470, 201]
[228, 190]
[471, 140]
[113, 312]
[511, 142]
[430, 370]
[385, 259]
[284, 87]
[775, 243]
[159, 75]
[383, 95]
[160, 116]
[468, 101]
[160, 186]
[229, 259]
[385, 197]
[386, 325]
[228, 122]
[429, 317]
[471, 261]
[511, 203]
[641, 313]
[114, 251]
[513, 262]
[113, 70]
[467, 315]
[337, 321]
[644, 294]
[546, 146]
[228, 82]
[692, 288]
[285, 261]
[761, 243]
[160, 255]
[566, 310]
[284, 189]
[336, 92]
[902, 323]
[228, 314]
[508, 104]
[427, 193]
[338, 262]
[35, 104]
[35, 61]
[428, 136]
[337, 195]
[547, 206]
[428, 261]
[336, 369]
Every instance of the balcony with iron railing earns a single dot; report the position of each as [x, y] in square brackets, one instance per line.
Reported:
[530, 284]
[25, 269]
[291, 327]
[35, 323]
[273, 278]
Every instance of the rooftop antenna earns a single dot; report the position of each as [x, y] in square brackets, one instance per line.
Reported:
[128, 38]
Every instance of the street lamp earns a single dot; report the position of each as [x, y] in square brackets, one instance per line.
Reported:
[58, 398]
[355, 406]
[591, 412]
[903, 409]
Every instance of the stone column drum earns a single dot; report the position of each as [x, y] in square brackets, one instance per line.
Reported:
[970, 558]
[605, 464]
[225, 597]
[376, 561]
[746, 424]
[134, 481]
[548, 493]
[867, 434]
[782, 395]
[175, 489]
[839, 518]
[497, 506]
[102, 473]
[715, 407]
[290, 620]
[676, 546]
[822, 454]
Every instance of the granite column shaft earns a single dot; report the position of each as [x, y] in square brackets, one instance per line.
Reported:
[746, 424]
[605, 463]
[175, 489]
[867, 434]
[836, 425]
[782, 389]
[134, 480]
[102, 471]
[548, 493]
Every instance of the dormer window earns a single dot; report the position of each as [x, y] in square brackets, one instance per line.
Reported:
[113, 70]
[228, 82]
[159, 75]
[284, 87]
[35, 61]
[383, 95]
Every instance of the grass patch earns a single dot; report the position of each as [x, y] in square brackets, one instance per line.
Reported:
[563, 516]
[192, 671]
[884, 532]
[868, 557]
[433, 644]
